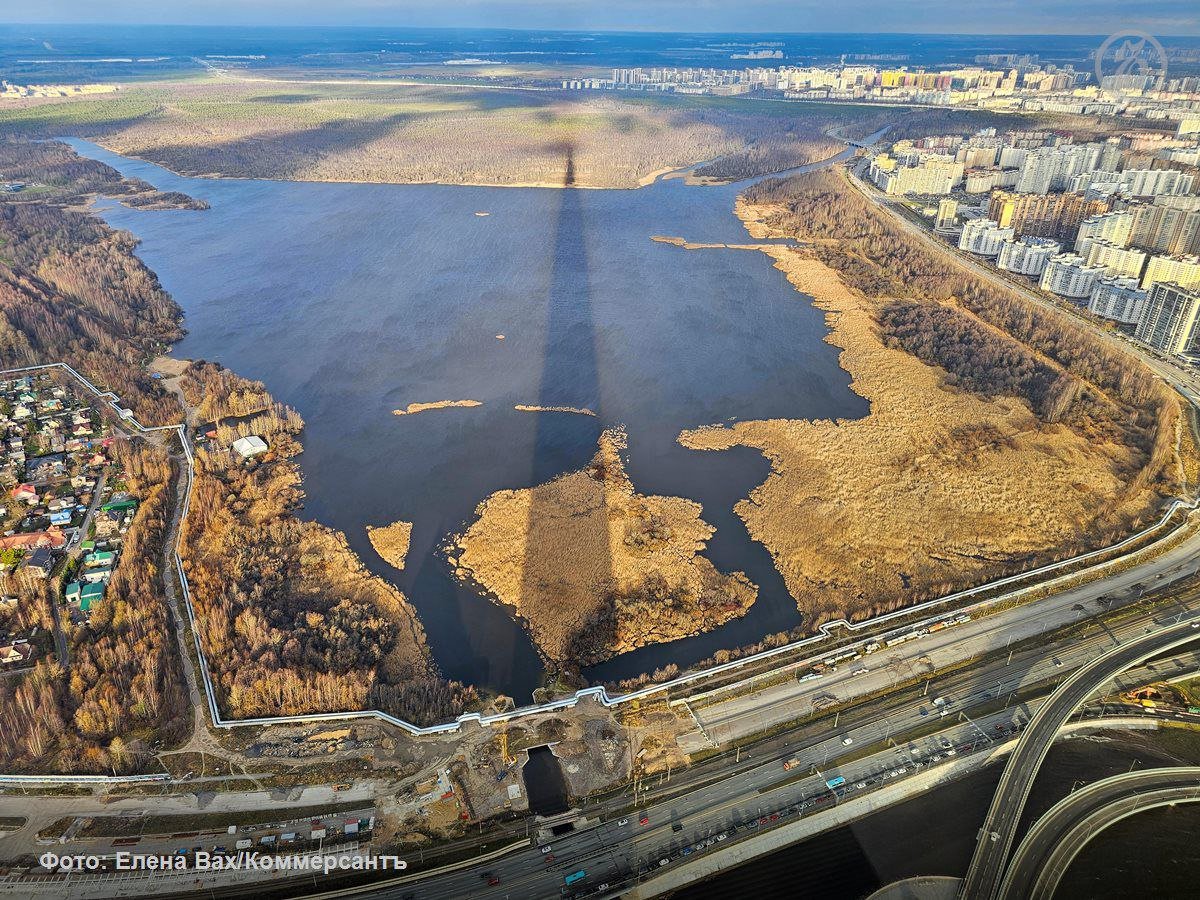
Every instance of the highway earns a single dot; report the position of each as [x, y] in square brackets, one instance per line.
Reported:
[725, 719]
[999, 829]
[1044, 856]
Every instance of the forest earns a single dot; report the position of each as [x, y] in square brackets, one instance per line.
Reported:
[290, 620]
[123, 685]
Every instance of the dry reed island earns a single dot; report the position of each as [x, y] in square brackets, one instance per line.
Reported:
[596, 569]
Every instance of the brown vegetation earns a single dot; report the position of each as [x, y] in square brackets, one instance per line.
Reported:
[430, 133]
[1000, 435]
[413, 408]
[290, 620]
[124, 680]
[596, 569]
[391, 542]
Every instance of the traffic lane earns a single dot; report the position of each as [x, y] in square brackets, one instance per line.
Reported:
[972, 638]
[999, 830]
[1032, 855]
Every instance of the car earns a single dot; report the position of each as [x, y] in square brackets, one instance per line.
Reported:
[603, 887]
[687, 851]
[722, 836]
[924, 711]
[1196, 624]
[1058, 662]
[644, 820]
[847, 741]
[751, 824]
[622, 822]
[546, 849]
[774, 817]
[763, 820]
[549, 859]
[491, 879]
[861, 785]
[677, 827]
[663, 862]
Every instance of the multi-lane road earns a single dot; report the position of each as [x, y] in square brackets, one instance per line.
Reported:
[1046, 852]
[999, 829]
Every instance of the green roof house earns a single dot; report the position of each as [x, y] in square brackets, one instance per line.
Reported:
[90, 594]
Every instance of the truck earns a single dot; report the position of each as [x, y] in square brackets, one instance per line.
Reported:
[243, 844]
[793, 763]
[575, 877]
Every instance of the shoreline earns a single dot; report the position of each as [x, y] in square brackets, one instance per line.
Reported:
[944, 504]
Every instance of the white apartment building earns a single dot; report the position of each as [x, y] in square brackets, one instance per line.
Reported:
[1070, 276]
[932, 176]
[1181, 270]
[984, 237]
[1170, 320]
[947, 214]
[1115, 259]
[1157, 182]
[1051, 168]
[1119, 299]
[1028, 256]
[1113, 227]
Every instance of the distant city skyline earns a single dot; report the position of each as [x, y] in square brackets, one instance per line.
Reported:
[1083, 17]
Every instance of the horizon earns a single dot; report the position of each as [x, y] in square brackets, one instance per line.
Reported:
[1174, 18]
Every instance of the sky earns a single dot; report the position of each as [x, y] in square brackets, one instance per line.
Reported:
[1093, 17]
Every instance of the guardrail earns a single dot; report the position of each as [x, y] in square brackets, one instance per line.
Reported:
[825, 632]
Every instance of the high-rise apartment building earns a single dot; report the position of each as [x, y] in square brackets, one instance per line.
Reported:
[983, 237]
[1165, 226]
[1070, 276]
[1028, 256]
[1170, 320]
[1044, 215]
[1113, 227]
[1116, 260]
[1119, 299]
[1181, 270]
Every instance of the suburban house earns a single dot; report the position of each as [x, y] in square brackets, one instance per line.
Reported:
[15, 654]
[251, 446]
[39, 563]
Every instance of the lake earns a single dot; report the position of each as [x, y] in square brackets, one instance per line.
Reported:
[351, 300]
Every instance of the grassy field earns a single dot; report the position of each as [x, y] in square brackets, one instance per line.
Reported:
[360, 130]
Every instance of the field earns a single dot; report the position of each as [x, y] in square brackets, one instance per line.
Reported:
[378, 132]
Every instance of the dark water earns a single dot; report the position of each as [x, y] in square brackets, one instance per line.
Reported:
[545, 783]
[934, 834]
[350, 301]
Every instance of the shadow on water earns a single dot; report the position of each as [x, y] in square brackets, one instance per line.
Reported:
[570, 377]
[545, 783]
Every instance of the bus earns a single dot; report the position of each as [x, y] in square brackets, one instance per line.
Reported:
[575, 876]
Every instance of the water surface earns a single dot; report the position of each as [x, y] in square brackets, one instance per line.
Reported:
[351, 300]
